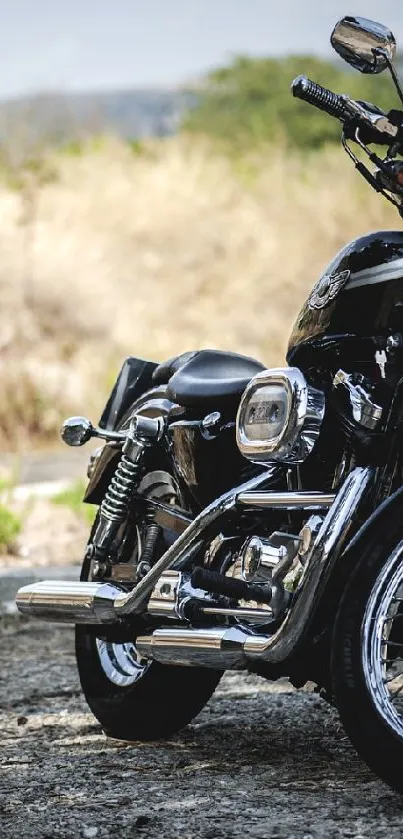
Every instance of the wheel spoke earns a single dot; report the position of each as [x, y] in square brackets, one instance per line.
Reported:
[396, 692]
[397, 617]
[390, 679]
[120, 662]
[382, 648]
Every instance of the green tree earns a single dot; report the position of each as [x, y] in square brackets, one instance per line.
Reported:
[249, 102]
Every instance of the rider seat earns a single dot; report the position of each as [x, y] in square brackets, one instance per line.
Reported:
[208, 379]
[166, 369]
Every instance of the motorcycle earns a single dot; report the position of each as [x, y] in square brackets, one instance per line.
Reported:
[251, 518]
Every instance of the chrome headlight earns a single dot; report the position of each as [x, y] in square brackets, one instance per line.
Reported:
[279, 417]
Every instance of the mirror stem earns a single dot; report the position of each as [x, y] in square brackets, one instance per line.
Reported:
[392, 71]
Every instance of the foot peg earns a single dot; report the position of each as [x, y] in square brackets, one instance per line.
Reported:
[216, 583]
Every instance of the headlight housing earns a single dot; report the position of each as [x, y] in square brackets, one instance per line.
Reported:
[279, 417]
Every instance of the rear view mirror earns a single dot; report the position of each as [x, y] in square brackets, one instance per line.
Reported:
[366, 45]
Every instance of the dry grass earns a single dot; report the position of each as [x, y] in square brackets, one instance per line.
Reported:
[158, 253]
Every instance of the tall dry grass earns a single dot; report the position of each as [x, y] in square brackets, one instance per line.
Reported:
[157, 253]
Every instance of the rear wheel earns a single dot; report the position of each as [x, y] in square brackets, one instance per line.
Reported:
[367, 664]
[133, 698]
[136, 700]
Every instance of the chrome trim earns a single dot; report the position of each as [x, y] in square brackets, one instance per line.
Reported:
[210, 647]
[306, 408]
[174, 590]
[259, 557]
[264, 615]
[83, 602]
[77, 431]
[216, 648]
[69, 602]
[287, 500]
[376, 627]
[103, 603]
[320, 562]
[120, 662]
[186, 544]
[365, 44]
[164, 596]
[364, 410]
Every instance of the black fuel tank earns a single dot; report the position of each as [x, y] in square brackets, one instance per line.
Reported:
[360, 293]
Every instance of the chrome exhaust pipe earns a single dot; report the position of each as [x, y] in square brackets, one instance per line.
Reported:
[69, 602]
[325, 551]
[103, 603]
[210, 647]
[233, 648]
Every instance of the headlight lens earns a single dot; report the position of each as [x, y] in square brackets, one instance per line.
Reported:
[279, 417]
[266, 412]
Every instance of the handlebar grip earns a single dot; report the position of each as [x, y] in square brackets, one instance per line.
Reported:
[321, 97]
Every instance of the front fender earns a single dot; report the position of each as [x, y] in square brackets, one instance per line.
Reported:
[385, 524]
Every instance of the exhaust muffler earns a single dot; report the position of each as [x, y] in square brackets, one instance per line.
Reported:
[201, 647]
[69, 602]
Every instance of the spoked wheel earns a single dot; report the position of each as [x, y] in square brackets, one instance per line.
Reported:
[383, 644]
[120, 661]
[135, 698]
[368, 663]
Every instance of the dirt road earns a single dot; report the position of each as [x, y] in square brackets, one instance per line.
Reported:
[260, 761]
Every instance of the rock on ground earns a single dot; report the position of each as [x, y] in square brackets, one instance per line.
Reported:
[261, 760]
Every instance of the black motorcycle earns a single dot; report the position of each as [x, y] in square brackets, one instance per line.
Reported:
[251, 518]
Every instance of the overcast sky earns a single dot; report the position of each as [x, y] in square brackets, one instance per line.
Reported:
[82, 44]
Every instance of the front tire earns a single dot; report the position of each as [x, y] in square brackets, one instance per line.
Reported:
[367, 662]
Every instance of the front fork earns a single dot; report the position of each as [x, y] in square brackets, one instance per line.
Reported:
[143, 433]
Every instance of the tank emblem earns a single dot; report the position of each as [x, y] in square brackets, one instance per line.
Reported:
[327, 289]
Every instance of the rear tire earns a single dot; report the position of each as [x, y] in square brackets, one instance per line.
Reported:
[160, 702]
[133, 700]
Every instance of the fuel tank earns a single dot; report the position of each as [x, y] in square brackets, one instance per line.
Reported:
[359, 294]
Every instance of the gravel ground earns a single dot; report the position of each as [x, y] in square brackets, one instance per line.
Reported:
[261, 760]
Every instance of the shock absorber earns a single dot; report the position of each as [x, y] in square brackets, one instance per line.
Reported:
[151, 535]
[143, 432]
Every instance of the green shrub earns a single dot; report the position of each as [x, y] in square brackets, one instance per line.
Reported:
[73, 498]
[10, 528]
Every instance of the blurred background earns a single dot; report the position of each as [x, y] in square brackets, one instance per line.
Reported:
[161, 190]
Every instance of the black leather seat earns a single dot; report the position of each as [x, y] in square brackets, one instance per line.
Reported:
[212, 379]
[166, 369]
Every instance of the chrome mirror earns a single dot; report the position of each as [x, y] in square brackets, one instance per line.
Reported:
[366, 45]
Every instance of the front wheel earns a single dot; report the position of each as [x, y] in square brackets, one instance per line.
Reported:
[367, 662]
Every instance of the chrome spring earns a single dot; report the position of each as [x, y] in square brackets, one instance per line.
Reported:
[117, 498]
[149, 545]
